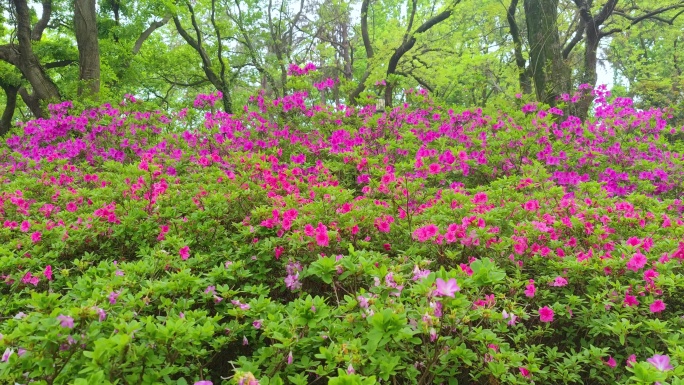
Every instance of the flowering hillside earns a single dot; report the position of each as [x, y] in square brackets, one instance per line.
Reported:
[295, 243]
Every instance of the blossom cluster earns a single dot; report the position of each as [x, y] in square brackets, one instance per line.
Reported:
[518, 246]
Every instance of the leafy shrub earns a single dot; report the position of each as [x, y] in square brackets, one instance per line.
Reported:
[298, 243]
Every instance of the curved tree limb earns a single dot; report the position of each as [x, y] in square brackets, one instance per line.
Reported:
[11, 91]
[408, 44]
[37, 32]
[148, 32]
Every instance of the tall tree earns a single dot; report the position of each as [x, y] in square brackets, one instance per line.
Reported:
[85, 30]
[21, 55]
[550, 73]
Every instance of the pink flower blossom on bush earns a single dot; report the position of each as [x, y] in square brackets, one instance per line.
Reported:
[657, 306]
[184, 252]
[446, 289]
[661, 362]
[546, 314]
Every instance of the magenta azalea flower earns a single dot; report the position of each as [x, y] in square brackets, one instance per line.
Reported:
[546, 314]
[524, 372]
[184, 252]
[661, 362]
[630, 300]
[446, 289]
[203, 383]
[657, 306]
[36, 237]
[559, 282]
[530, 290]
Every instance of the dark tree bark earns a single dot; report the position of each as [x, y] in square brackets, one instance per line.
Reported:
[23, 57]
[11, 91]
[85, 29]
[354, 95]
[37, 32]
[550, 73]
[592, 25]
[523, 71]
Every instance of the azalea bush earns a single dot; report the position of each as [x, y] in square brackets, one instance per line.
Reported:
[296, 243]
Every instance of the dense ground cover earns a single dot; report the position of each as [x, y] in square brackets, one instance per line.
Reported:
[298, 243]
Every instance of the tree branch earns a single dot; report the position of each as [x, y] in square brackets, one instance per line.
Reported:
[364, 29]
[420, 81]
[579, 35]
[9, 54]
[37, 32]
[408, 44]
[148, 32]
[59, 63]
[650, 14]
[414, 5]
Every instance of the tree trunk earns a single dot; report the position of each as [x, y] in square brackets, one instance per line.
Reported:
[591, 44]
[85, 29]
[11, 92]
[523, 72]
[550, 73]
[44, 90]
[361, 86]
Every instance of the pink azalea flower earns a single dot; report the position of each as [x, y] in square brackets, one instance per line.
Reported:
[611, 362]
[559, 282]
[637, 262]
[631, 360]
[6, 355]
[657, 306]
[36, 236]
[446, 289]
[48, 272]
[184, 252]
[524, 372]
[512, 317]
[322, 238]
[530, 290]
[113, 296]
[25, 226]
[65, 321]
[531, 205]
[203, 383]
[630, 300]
[546, 314]
[661, 362]
[101, 314]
